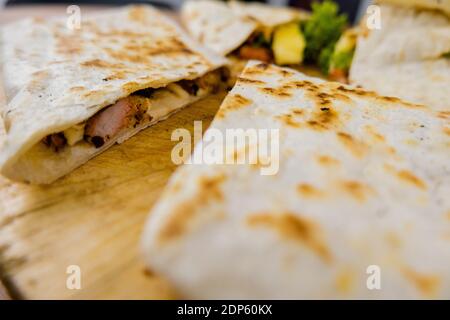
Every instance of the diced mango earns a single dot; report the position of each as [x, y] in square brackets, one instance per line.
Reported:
[288, 44]
[346, 42]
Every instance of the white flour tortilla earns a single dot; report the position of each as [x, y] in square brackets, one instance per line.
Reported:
[405, 57]
[55, 77]
[223, 27]
[441, 5]
[361, 185]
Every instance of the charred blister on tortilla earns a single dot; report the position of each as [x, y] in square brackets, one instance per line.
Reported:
[134, 110]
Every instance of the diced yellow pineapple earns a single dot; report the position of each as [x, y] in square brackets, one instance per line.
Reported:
[347, 41]
[288, 44]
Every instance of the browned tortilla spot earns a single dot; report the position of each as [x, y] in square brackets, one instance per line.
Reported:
[77, 88]
[141, 52]
[313, 124]
[116, 76]
[131, 86]
[250, 81]
[257, 69]
[356, 189]
[278, 92]
[342, 97]
[93, 94]
[447, 215]
[373, 95]
[307, 190]
[285, 73]
[393, 240]
[211, 187]
[344, 281]
[297, 112]
[358, 92]
[411, 178]
[177, 223]
[399, 101]
[102, 64]
[444, 114]
[291, 227]
[323, 118]
[327, 160]
[233, 102]
[68, 44]
[262, 66]
[137, 14]
[447, 131]
[117, 33]
[391, 99]
[374, 134]
[357, 148]
[288, 120]
[305, 84]
[428, 285]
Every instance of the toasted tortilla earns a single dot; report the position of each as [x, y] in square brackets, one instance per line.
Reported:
[406, 57]
[55, 78]
[440, 5]
[223, 27]
[361, 192]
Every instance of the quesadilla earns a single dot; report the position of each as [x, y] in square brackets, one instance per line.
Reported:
[225, 26]
[409, 57]
[440, 5]
[359, 207]
[72, 93]
[244, 30]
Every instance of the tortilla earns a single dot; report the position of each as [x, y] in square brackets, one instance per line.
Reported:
[223, 27]
[362, 188]
[440, 5]
[56, 78]
[406, 57]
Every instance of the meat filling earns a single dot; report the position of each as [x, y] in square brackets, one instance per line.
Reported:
[110, 121]
[131, 111]
[257, 47]
[56, 141]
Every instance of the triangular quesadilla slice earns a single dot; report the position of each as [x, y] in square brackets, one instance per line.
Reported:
[358, 207]
[72, 93]
[243, 31]
[408, 57]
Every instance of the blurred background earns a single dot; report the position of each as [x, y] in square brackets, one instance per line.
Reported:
[353, 8]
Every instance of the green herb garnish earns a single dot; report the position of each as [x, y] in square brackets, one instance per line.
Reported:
[322, 31]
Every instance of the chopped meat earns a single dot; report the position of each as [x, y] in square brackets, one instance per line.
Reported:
[210, 81]
[190, 86]
[131, 111]
[257, 53]
[56, 141]
[108, 122]
[338, 75]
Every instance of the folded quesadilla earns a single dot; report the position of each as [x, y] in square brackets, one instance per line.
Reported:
[245, 30]
[441, 5]
[359, 207]
[72, 93]
[409, 57]
[225, 26]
